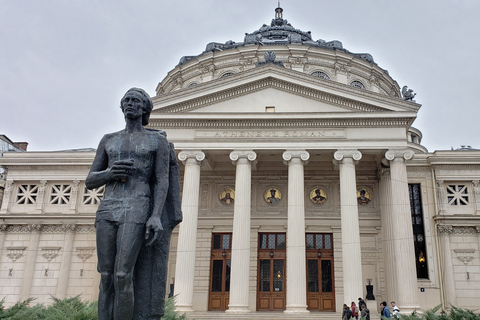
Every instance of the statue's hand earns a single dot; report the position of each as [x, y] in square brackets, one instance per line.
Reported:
[154, 230]
[121, 169]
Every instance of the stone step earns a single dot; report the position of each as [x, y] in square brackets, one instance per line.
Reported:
[272, 315]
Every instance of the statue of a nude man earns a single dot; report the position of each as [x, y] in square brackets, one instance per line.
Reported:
[134, 164]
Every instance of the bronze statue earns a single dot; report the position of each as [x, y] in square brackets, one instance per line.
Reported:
[134, 221]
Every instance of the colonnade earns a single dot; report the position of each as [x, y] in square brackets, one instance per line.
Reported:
[396, 223]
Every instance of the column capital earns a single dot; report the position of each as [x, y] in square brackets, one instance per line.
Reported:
[197, 155]
[249, 155]
[302, 155]
[341, 155]
[399, 154]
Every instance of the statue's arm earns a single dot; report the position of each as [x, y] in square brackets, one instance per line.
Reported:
[99, 172]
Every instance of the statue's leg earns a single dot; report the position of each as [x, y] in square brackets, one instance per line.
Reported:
[130, 237]
[106, 251]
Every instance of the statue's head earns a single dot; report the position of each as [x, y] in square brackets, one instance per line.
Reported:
[147, 103]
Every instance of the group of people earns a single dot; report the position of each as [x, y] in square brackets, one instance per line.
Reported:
[354, 311]
[385, 312]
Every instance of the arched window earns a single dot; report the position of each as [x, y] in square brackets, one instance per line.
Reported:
[193, 84]
[320, 74]
[228, 74]
[357, 84]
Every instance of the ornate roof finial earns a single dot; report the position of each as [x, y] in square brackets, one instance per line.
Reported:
[278, 12]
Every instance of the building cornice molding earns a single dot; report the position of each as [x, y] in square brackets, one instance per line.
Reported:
[165, 123]
[48, 228]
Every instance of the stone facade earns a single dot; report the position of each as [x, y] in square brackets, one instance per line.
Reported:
[260, 128]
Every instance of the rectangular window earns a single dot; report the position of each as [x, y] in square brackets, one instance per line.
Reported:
[418, 230]
[270, 109]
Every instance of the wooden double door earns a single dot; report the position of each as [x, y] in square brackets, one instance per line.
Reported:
[271, 291]
[271, 272]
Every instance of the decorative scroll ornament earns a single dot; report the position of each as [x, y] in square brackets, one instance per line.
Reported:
[50, 253]
[340, 155]
[245, 154]
[406, 154]
[198, 155]
[302, 155]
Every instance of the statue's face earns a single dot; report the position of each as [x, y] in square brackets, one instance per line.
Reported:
[132, 105]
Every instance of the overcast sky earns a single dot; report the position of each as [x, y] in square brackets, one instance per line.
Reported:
[64, 65]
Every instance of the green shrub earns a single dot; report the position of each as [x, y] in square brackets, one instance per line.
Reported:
[68, 309]
[434, 314]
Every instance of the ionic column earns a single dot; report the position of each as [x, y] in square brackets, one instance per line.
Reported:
[66, 261]
[187, 233]
[351, 249]
[239, 279]
[401, 224]
[448, 279]
[385, 196]
[296, 264]
[31, 261]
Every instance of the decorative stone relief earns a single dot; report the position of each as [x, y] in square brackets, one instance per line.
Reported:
[73, 202]
[342, 69]
[15, 253]
[464, 255]
[442, 197]
[445, 229]
[41, 194]
[84, 253]
[50, 253]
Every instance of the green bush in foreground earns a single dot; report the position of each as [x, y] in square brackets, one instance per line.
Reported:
[68, 309]
[434, 314]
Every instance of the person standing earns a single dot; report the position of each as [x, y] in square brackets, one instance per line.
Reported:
[384, 310]
[365, 313]
[354, 310]
[395, 310]
[346, 313]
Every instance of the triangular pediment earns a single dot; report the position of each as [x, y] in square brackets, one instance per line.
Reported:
[270, 86]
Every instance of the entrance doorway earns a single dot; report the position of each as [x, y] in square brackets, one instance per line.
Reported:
[271, 272]
[220, 265]
[320, 285]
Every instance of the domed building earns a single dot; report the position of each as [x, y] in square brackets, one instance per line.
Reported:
[305, 186]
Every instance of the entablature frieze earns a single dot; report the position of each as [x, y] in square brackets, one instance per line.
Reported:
[48, 228]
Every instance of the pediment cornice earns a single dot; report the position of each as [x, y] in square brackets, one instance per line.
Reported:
[286, 80]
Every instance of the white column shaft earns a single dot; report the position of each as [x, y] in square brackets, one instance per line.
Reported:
[65, 264]
[406, 272]
[30, 263]
[448, 277]
[239, 281]
[387, 234]
[351, 249]
[187, 236]
[296, 264]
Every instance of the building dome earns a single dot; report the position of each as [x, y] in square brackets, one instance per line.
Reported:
[294, 49]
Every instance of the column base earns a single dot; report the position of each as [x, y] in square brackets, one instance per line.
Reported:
[296, 309]
[407, 309]
[238, 309]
